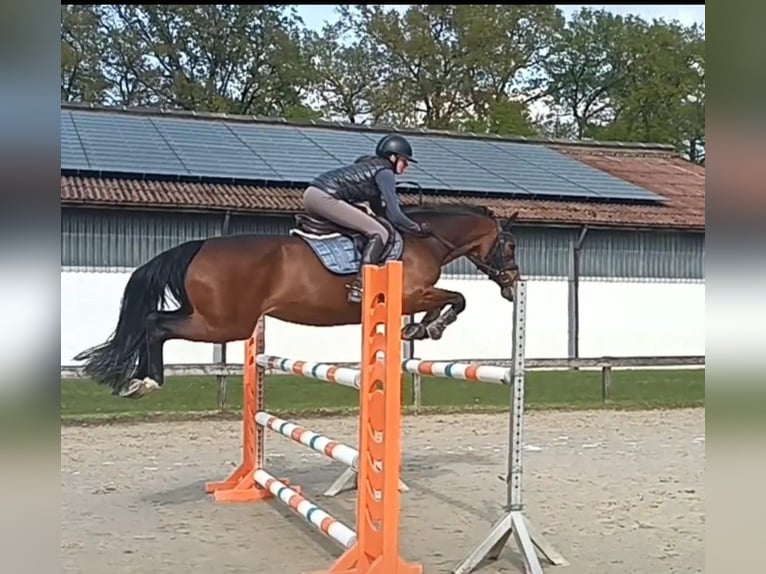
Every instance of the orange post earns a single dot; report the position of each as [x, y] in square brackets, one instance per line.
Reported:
[240, 486]
[380, 428]
[376, 550]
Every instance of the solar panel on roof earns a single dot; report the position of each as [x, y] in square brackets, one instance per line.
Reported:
[344, 145]
[575, 173]
[515, 175]
[606, 185]
[72, 154]
[125, 143]
[258, 151]
[425, 180]
[285, 150]
[547, 184]
[211, 149]
[482, 157]
[458, 173]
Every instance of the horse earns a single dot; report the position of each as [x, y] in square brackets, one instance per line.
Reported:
[222, 285]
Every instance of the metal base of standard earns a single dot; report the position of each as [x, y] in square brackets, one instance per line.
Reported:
[527, 539]
[348, 481]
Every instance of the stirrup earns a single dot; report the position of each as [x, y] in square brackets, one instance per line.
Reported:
[354, 294]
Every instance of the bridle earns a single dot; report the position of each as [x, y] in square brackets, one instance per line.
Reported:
[483, 265]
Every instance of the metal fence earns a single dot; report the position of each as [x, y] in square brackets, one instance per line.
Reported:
[223, 370]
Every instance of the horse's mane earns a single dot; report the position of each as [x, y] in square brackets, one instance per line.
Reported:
[447, 209]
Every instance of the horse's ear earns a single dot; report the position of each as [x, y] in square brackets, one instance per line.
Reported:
[508, 221]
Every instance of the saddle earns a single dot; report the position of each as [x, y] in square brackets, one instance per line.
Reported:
[322, 228]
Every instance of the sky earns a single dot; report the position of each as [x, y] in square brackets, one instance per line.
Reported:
[316, 15]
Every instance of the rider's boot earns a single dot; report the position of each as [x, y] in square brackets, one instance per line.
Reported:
[371, 255]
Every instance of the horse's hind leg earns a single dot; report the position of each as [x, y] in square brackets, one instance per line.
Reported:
[162, 326]
[150, 374]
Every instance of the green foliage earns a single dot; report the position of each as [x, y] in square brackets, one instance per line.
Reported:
[587, 61]
[621, 78]
[505, 117]
[221, 58]
[479, 68]
[652, 101]
[347, 74]
[83, 42]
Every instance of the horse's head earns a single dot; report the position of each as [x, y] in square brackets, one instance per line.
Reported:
[474, 232]
[495, 255]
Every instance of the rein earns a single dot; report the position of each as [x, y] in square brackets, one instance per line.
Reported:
[482, 265]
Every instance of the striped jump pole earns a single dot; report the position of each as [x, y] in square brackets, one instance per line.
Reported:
[314, 515]
[334, 450]
[349, 377]
[345, 376]
[464, 371]
[374, 547]
[315, 441]
[329, 373]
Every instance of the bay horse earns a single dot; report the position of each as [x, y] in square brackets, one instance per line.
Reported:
[224, 284]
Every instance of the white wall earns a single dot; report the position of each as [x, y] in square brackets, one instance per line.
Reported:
[616, 318]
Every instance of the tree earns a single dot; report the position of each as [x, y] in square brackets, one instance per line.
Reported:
[479, 68]
[693, 109]
[661, 97]
[246, 59]
[588, 61]
[420, 61]
[506, 46]
[456, 66]
[83, 77]
[622, 78]
[348, 75]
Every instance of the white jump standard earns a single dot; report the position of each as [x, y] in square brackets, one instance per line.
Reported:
[514, 521]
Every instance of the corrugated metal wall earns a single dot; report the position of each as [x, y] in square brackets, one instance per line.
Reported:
[659, 255]
[541, 252]
[102, 240]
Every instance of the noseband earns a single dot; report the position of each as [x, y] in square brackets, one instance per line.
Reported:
[485, 265]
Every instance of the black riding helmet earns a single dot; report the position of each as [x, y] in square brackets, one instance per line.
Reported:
[395, 144]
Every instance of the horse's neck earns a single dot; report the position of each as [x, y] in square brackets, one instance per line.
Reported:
[463, 237]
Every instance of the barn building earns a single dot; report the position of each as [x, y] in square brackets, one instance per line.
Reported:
[610, 236]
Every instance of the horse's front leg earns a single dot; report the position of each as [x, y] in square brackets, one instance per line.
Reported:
[433, 324]
[417, 331]
[455, 303]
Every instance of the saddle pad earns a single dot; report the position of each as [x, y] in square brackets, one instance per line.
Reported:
[339, 253]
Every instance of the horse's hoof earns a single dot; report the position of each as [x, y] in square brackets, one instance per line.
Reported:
[435, 330]
[137, 388]
[413, 332]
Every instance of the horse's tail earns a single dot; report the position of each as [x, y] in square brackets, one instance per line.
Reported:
[114, 362]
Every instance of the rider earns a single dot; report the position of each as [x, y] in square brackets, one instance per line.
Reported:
[369, 179]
